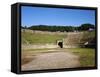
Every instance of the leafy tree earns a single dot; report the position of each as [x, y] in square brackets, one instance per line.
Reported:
[86, 26]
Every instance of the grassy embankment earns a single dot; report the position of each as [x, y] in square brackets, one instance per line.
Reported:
[35, 38]
[87, 55]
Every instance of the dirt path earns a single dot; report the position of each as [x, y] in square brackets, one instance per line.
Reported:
[52, 60]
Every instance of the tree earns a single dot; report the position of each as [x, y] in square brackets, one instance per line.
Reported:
[86, 26]
[54, 28]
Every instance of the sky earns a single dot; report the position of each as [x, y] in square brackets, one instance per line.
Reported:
[55, 16]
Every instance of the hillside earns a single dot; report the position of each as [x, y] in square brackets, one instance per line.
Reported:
[69, 38]
[40, 37]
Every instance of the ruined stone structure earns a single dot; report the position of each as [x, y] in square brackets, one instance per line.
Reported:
[60, 43]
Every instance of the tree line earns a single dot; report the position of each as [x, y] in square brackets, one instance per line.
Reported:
[82, 27]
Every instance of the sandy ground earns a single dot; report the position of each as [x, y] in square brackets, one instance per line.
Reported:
[54, 60]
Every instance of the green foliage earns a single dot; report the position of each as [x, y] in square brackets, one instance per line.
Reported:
[86, 27]
[87, 56]
[54, 28]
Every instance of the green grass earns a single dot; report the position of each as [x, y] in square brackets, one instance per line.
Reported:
[34, 38]
[87, 56]
[44, 50]
[39, 50]
[39, 38]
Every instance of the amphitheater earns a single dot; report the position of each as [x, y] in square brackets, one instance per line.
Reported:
[73, 40]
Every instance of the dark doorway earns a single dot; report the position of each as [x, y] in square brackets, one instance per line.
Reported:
[60, 44]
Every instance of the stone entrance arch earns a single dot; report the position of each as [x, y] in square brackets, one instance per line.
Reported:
[60, 43]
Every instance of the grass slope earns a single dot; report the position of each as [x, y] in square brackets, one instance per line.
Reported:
[70, 38]
[87, 56]
[34, 38]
